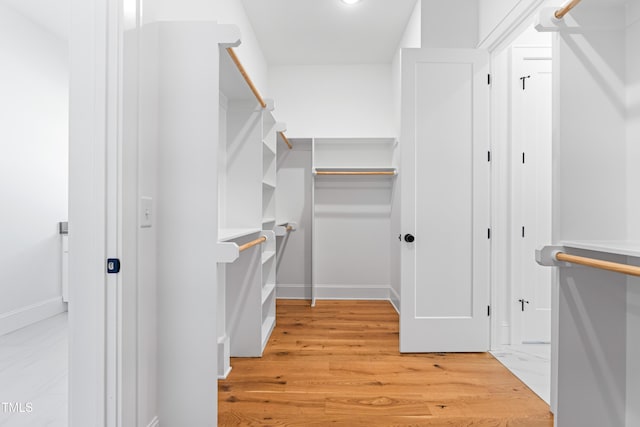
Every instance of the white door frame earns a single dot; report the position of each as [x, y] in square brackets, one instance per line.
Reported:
[94, 212]
[499, 39]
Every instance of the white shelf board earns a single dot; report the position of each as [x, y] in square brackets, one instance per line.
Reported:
[267, 327]
[226, 234]
[268, 184]
[617, 247]
[267, 255]
[267, 220]
[267, 291]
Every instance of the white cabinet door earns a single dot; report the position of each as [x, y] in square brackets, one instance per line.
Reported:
[531, 151]
[445, 201]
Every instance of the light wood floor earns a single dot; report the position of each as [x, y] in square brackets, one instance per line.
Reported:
[338, 364]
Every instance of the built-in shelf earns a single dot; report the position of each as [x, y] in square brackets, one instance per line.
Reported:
[268, 184]
[226, 234]
[268, 220]
[617, 247]
[267, 255]
[267, 291]
[267, 327]
[268, 148]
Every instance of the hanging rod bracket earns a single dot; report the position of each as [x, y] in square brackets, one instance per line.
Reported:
[227, 252]
[228, 35]
[600, 18]
[283, 229]
[270, 104]
[546, 256]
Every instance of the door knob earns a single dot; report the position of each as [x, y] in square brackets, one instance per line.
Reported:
[409, 238]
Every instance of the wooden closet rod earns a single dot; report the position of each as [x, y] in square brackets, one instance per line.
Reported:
[286, 140]
[355, 173]
[247, 79]
[566, 8]
[252, 243]
[597, 263]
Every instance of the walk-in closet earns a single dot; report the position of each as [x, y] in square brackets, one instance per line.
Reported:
[315, 212]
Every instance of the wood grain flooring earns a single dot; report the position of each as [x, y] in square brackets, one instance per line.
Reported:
[338, 364]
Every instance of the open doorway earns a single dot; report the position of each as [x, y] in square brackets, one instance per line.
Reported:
[524, 333]
[34, 121]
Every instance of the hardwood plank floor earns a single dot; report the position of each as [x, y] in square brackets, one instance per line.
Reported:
[338, 364]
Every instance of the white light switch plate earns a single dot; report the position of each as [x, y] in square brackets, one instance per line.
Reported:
[146, 212]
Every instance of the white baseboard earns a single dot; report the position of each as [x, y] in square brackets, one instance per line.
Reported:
[25, 316]
[155, 422]
[293, 291]
[224, 358]
[370, 292]
[340, 292]
[395, 299]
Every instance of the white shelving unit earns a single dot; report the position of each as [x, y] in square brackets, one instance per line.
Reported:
[246, 187]
[352, 197]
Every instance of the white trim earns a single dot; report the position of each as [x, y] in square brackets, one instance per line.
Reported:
[224, 351]
[520, 13]
[339, 292]
[293, 291]
[155, 422]
[25, 316]
[394, 298]
[348, 291]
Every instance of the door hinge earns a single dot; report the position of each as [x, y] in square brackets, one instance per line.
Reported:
[523, 158]
[489, 311]
[488, 79]
[113, 265]
[523, 231]
[488, 233]
[524, 79]
[488, 156]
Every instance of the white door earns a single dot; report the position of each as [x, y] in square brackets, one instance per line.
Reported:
[445, 201]
[531, 127]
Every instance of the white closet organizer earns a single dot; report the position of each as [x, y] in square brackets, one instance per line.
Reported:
[247, 182]
[352, 197]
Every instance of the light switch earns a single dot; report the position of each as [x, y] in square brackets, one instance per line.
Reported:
[146, 212]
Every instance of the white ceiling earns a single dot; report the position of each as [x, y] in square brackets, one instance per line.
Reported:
[52, 15]
[305, 32]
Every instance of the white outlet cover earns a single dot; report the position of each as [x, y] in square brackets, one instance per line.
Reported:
[146, 212]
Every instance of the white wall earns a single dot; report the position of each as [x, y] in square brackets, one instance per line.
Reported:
[633, 197]
[491, 12]
[34, 84]
[223, 12]
[334, 100]
[496, 18]
[633, 117]
[294, 249]
[590, 143]
[412, 38]
[450, 24]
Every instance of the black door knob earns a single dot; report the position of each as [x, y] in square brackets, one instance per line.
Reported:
[409, 238]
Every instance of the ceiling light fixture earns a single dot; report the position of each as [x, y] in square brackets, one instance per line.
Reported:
[350, 1]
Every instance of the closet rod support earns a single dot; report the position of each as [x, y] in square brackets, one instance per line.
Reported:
[252, 243]
[286, 140]
[560, 13]
[247, 79]
[555, 256]
[354, 173]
